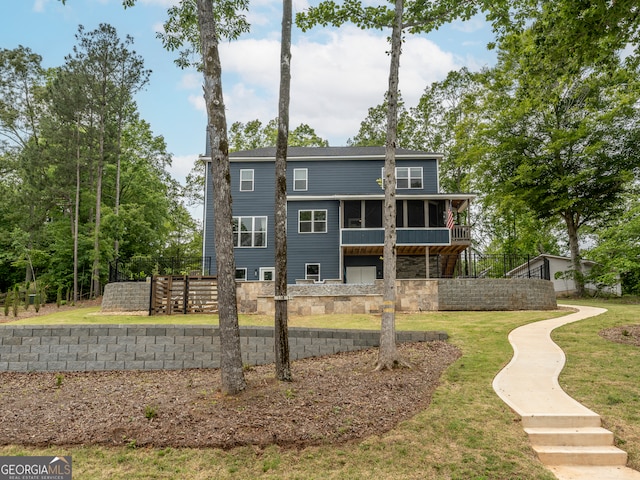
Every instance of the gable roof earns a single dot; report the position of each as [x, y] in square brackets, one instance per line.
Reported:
[325, 153]
[542, 256]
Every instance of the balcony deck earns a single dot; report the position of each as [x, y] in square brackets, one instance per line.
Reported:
[410, 241]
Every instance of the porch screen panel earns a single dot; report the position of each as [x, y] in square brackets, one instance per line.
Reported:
[400, 213]
[373, 214]
[352, 214]
[436, 213]
[415, 213]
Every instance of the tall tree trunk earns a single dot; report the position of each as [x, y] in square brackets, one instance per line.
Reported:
[76, 219]
[95, 276]
[281, 336]
[388, 354]
[232, 375]
[116, 211]
[574, 248]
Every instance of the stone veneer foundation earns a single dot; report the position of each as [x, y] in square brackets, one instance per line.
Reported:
[338, 298]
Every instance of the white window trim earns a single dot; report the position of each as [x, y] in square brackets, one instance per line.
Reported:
[306, 179]
[306, 270]
[264, 270]
[238, 243]
[409, 177]
[246, 180]
[244, 279]
[326, 220]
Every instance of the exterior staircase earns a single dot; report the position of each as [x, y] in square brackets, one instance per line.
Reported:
[573, 440]
[567, 437]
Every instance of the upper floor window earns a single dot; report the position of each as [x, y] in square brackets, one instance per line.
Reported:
[246, 180]
[249, 232]
[312, 221]
[300, 179]
[407, 177]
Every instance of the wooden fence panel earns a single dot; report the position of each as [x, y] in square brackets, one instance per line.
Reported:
[171, 295]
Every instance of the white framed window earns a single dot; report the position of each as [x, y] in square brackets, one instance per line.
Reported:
[241, 274]
[300, 179]
[407, 177]
[312, 271]
[312, 221]
[246, 180]
[249, 232]
[267, 274]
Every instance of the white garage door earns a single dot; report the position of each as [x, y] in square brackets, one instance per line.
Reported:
[366, 275]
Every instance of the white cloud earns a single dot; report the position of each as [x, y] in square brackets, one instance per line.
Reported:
[161, 3]
[191, 81]
[472, 25]
[197, 101]
[39, 5]
[181, 165]
[334, 81]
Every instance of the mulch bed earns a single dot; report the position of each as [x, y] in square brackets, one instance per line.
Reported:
[337, 398]
[628, 334]
[332, 399]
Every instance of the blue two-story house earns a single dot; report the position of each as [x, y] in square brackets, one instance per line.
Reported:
[334, 215]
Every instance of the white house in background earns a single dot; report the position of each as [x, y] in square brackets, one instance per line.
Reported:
[558, 270]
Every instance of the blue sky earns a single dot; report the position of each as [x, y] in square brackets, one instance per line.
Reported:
[337, 74]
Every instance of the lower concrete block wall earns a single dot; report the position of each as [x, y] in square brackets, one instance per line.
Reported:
[157, 347]
[496, 294]
[412, 296]
[126, 297]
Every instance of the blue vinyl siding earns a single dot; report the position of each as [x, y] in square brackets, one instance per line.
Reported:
[326, 178]
[304, 248]
[356, 177]
[322, 248]
[257, 203]
[406, 236]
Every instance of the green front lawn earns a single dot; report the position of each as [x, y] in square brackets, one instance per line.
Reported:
[466, 433]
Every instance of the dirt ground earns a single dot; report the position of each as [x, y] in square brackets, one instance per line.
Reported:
[629, 334]
[332, 399]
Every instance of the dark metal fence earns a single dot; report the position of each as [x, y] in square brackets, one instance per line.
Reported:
[479, 265]
[138, 269]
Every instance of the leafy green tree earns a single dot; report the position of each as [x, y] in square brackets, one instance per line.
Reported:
[412, 17]
[617, 252]
[249, 136]
[113, 73]
[22, 163]
[194, 29]
[563, 141]
[253, 134]
[373, 129]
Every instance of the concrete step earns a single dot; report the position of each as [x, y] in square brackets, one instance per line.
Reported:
[561, 420]
[571, 455]
[575, 436]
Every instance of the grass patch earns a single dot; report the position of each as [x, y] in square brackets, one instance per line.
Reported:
[467, 433]
[603, 375]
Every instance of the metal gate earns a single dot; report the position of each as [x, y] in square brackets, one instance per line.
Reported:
[172, 294]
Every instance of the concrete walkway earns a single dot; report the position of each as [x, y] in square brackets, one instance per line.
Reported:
[567, 437]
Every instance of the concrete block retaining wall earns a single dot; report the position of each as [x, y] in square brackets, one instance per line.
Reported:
[126, 297]
[496, 294]
[412, 296]
[157, 347]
